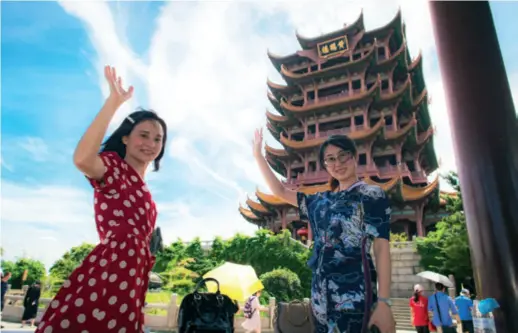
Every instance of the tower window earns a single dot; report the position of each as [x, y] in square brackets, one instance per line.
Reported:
[362, 159]
[384, 84]
[381, 53]
[358, 120]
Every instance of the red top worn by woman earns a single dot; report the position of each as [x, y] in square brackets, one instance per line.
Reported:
[420, 311]
[106, 292]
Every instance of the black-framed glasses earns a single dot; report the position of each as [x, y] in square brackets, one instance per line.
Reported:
[342, 157]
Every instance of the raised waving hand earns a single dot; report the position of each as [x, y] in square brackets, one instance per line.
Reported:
[257, 142]
[85, 155]
[273, 182]
[117, 92]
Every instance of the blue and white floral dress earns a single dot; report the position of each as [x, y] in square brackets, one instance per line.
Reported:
[344, 224]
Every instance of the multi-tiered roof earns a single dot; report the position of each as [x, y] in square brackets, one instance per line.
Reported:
[363, 84]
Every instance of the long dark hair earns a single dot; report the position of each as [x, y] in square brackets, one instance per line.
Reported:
[341, 141]
[114, 142]
[416, 296]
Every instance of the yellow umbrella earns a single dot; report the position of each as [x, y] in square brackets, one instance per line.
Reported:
[236, 281]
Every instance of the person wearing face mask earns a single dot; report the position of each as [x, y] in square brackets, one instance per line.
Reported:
[106, 292]
[419, 310]
[345, 220]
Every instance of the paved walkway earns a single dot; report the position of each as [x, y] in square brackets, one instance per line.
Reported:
[15, 327]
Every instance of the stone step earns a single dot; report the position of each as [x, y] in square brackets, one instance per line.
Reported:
[402, 320]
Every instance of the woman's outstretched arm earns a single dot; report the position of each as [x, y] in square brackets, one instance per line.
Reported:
[86, 156]
[273, 182]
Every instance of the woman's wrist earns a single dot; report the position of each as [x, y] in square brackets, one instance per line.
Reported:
[258, 155]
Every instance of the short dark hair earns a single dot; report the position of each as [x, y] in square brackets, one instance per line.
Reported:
[114, 142]
[440, 286]
[341, 141]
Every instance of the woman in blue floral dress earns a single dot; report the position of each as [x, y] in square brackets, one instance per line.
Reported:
[345, 221]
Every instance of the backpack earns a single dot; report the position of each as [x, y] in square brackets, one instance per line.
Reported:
[248, 311]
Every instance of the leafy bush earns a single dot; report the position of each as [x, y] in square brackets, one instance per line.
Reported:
[397, 238]
[282, 284]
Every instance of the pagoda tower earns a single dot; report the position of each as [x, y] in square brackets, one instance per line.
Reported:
[365, 85]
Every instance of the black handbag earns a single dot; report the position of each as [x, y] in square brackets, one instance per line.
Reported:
[156, 243]
[206, 312]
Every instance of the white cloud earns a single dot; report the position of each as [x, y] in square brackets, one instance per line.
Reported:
[208, 66]
[5, 165]
[104, 36]
[44, 222]
[36, 147]
[206, 73]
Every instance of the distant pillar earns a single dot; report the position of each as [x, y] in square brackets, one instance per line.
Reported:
[419, 210]
[284, 222]
[310, 234]
[407, 230]
[483, 123]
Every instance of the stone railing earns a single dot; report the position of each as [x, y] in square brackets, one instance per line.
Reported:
[167, 321]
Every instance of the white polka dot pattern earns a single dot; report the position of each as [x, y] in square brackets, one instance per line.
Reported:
[106, 293]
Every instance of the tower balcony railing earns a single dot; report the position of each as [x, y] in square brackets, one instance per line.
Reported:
[387, 169]
[384, 172]
[325, 134]
[343, 94]
[310, 177]
[390, 128]
[418, 176]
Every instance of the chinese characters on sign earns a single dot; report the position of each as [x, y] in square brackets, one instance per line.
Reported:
[333, 47]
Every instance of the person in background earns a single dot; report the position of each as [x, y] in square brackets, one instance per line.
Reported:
[464, 306]
[30, 303]
[419, 310]
[440, 305]
[5, 286]
[252, 313]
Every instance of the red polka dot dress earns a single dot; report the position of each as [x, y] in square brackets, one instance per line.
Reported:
[106, 292]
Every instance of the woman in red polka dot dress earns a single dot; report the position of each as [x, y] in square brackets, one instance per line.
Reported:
[106, 293]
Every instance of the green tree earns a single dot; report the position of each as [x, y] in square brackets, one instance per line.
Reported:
[194, 249]
[35, 271]
[266, 252]
[64, 266]
[282, 284]
[217, 249]
[171, 254]
[446, 250]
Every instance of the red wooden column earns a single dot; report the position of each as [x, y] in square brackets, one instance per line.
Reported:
[284, 222]
[310, 234]
[485, 138]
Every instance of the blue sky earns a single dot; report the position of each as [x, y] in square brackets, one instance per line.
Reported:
[202, 66]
